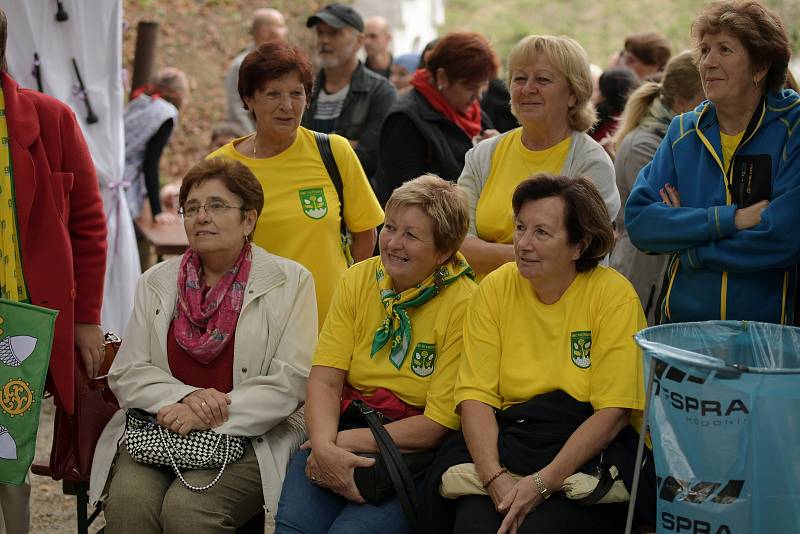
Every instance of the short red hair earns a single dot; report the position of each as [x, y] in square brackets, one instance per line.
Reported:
[270, 61]
[464, 56]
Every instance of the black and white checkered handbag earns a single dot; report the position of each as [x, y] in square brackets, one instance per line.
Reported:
[150, 443]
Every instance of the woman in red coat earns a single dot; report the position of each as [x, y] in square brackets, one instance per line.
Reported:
[61, 235]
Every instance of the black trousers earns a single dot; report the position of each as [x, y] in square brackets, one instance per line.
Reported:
[475, 514]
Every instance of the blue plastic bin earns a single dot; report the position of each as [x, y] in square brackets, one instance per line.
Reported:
[724, 415]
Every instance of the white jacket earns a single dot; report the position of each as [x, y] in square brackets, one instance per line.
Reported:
[275, 339]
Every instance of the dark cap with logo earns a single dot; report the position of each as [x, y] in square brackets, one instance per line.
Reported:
[337, 16]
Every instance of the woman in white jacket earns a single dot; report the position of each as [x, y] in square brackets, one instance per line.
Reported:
[220, 339]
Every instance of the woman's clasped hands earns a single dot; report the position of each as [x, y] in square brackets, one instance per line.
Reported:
[200, 410]
[517, 499]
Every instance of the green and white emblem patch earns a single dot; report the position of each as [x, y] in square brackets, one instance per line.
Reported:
[313, 202]
[580, 345]
[422, 362]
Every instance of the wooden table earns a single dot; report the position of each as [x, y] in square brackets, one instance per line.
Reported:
[165, 239]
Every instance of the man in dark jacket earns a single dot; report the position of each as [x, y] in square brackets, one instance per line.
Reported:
[348, 99]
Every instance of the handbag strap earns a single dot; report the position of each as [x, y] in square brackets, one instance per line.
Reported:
[162, 433]
[396, 466]
[603, 486]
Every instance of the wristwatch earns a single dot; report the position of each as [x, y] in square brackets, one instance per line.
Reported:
[543, 491]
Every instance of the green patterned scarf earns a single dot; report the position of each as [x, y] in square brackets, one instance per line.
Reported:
[397, 325]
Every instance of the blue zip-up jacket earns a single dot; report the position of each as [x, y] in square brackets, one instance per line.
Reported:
[717, 272]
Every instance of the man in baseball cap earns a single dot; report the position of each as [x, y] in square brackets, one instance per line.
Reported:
[337, 16]
[348, 99]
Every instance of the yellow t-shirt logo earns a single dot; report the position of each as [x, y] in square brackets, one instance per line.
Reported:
[423, 359]
[580, 348]
[313, 202]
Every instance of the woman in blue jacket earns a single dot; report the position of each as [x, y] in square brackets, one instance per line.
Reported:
[722, 194]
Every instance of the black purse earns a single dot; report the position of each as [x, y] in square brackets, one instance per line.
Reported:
[393, 473]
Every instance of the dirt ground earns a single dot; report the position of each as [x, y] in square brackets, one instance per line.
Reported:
[51, 510]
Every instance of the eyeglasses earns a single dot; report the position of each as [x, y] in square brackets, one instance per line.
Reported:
[213, 208]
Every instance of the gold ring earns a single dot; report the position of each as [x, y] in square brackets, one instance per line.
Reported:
[313, 478]
[178, 422]
[203, 403]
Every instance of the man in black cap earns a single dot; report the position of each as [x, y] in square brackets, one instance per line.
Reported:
[348, 99]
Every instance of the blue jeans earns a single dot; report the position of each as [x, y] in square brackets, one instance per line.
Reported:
[308, 509]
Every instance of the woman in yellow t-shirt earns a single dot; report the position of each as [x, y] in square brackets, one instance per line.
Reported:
[392, 338]
[302, 214]
[553, 327]
[550, 85]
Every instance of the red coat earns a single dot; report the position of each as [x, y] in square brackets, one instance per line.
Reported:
[62, 226]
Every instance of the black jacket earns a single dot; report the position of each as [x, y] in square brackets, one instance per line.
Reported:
[416, 139]
[368, 100]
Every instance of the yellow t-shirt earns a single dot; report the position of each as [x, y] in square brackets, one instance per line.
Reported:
[511, 164]
[516, 347]
[356, 313]
[12, 283]
[729, 144]
[300, 219]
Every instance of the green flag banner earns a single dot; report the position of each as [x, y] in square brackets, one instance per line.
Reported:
[26, 337]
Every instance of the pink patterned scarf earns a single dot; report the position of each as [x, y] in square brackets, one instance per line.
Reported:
[203, 324]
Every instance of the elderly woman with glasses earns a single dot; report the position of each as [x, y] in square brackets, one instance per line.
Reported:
[220, 339]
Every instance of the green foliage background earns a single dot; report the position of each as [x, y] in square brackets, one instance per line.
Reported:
[599, 25]
[202, 36]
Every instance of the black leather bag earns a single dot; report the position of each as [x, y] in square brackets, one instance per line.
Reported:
[393, 473]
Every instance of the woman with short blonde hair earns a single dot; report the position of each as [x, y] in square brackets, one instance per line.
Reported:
[568, 56]
[392, 339]
[551, 85]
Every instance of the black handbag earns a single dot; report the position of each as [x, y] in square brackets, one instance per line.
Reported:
[393, 473]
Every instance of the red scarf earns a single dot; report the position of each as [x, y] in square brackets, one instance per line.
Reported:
[203, 324]
[469, 122]
[148, 89]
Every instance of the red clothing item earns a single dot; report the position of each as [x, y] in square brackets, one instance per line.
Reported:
[62, 225]
[382, 400]
[217, 374]
[469, 122]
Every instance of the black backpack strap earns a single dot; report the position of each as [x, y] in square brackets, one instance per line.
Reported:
[396, 466]
[324, 146]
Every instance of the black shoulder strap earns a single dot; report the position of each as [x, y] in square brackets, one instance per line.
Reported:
[403, 483]
[324, 146]
[604, 484]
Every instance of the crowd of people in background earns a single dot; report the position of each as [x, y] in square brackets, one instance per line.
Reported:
[458, 241]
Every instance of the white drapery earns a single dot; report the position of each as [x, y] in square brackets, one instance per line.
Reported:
[93, 36]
